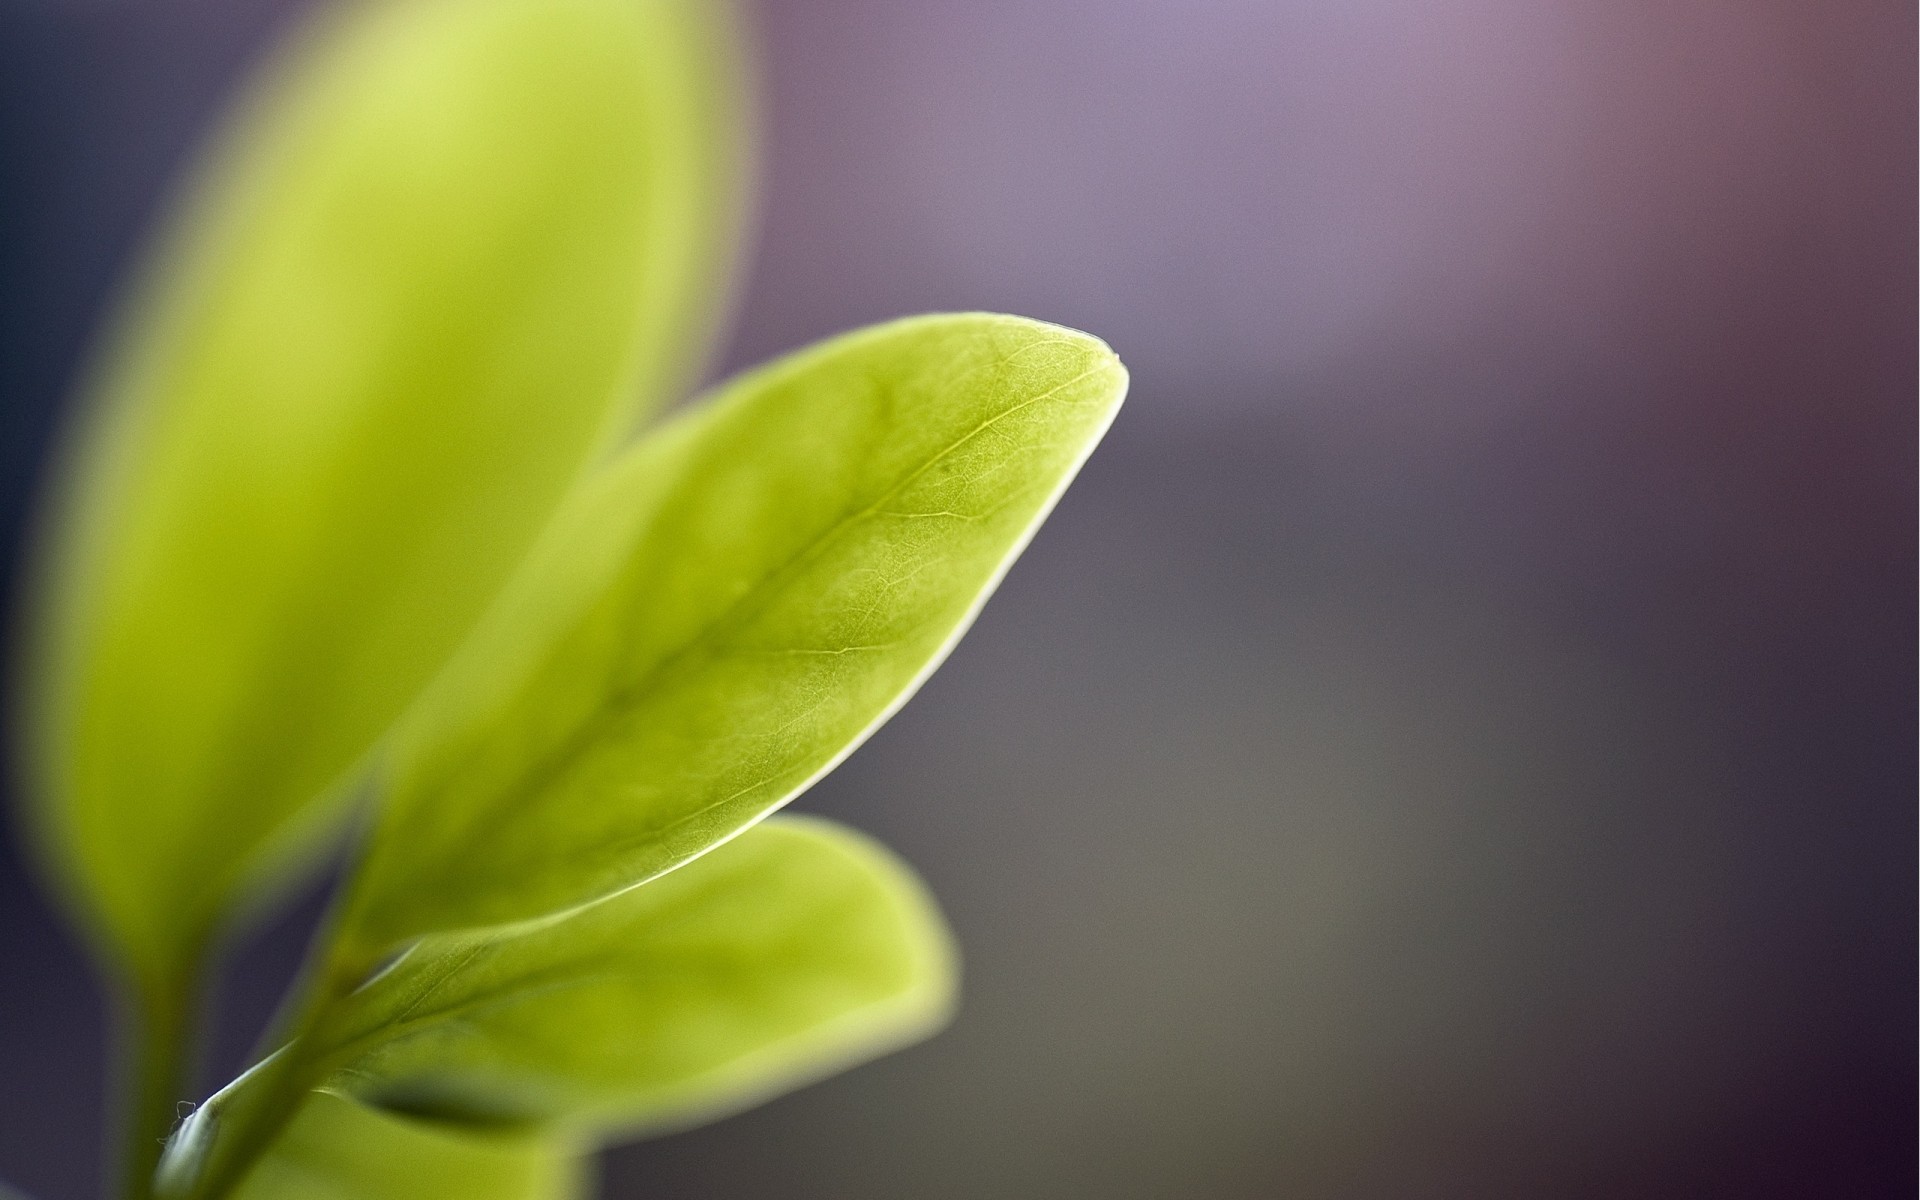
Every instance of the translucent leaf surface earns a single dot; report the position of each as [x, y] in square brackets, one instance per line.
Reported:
[789, 953]
[725, 612]
[339, 1150]
[447, 252]
[793, 951]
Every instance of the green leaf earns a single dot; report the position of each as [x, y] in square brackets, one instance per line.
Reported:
[788, 954]
[791, 952]
[339, 1150]
[449, 251]
[721, 616]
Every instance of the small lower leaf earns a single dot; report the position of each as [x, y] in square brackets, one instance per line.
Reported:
[337, 1149]
[791, 952]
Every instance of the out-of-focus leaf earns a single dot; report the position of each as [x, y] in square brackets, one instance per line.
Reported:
[448, 251]
[722, 615]
[337, 1149]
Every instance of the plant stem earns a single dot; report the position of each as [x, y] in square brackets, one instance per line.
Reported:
[260, 1110]
[158, 1029]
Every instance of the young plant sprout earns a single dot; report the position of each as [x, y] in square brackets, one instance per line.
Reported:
[353, 544]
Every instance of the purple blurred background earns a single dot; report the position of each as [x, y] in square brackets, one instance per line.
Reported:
[1458, 738]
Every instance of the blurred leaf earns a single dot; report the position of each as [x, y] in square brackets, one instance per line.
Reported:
[719, 618]
[448, 251]
[339, 1150]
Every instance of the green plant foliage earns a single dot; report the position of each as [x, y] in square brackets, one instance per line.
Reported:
[339, 1150]
[725, 613]
[452, 247]
[793, 951]
[712, 621]
[355, 513]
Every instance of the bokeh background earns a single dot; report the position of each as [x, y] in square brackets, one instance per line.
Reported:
[1458, 737]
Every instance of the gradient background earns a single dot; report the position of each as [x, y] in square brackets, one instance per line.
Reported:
[1457, 739]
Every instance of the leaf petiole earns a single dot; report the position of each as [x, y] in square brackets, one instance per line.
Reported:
[211, 1153]
[159, 1028]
